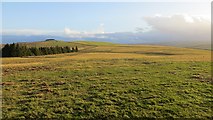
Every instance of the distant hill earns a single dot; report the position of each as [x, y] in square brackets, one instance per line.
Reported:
[49, 43]
[31, 38]
[39, 41]
[80, 44]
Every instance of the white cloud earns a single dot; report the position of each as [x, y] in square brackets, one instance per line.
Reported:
[180, 27]
[168, 30]
[98, 33]
[101, 28]
[74, 33]
[68, 31]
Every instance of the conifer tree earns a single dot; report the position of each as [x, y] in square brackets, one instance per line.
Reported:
[6, 51]
[12, 50]
[17, 50]
[76, 49]
[67, 49]
[73, 49]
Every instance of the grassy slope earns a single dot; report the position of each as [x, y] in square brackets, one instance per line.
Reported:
[106, 81]
[63, 43]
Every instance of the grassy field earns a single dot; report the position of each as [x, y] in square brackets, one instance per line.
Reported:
[106, 81]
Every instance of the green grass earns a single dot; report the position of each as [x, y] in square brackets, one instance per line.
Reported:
[71, 44]
[95, 43]
[55, 43]
[112, 82]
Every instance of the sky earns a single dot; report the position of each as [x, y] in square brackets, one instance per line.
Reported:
[86, 19]
[107, 1]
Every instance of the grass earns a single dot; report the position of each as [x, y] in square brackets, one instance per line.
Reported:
[110, 81]
[95, 43]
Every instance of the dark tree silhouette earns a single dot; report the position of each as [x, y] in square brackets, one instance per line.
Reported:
[6, 51]
[73, 49]
[76, 49]
[17, 50]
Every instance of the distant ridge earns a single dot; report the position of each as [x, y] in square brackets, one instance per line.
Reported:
[118, 38]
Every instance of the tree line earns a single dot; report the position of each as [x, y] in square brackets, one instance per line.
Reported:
[17, 50]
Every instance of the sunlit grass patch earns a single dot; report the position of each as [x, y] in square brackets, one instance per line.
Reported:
[121, 83]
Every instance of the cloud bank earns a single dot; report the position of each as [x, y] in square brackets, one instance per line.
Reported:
[167, 29]
[180, 28]
[164, 30]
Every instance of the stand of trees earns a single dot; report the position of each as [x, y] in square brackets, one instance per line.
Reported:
[16, 50]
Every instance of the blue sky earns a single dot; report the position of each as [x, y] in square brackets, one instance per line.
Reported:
[114, 17]
[107, 0]
[121, 22]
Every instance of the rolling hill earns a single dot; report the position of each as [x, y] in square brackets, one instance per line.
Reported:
[121, 38]
[108, 81]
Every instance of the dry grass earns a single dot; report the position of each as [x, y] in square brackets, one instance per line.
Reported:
[157, 53]
[106, 82]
